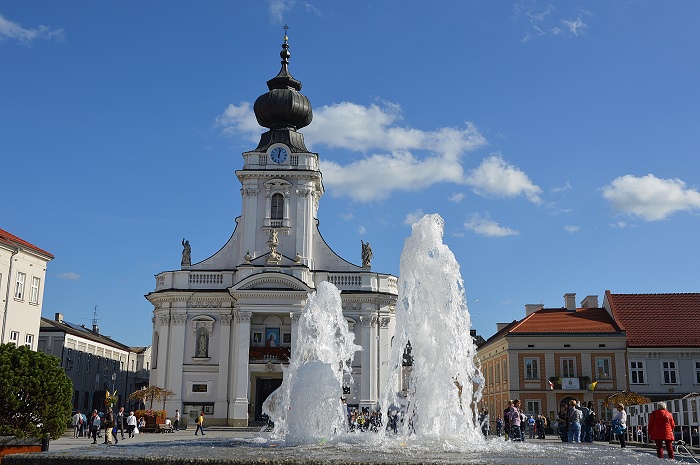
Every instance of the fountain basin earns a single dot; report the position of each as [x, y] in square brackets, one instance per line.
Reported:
[350, 450]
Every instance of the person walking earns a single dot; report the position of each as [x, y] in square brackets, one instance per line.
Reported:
[200, 424]
[77, 422]
[110, 423]
[620, 424]
[177, 420]
[95, 424]
[660, 429]
[515, 421]
[574, 416]
[121, 420]
[131, 424]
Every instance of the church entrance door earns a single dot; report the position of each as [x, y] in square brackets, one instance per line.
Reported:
[263, 388]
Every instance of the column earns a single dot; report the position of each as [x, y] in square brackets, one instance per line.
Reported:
[222, 389]
[176, 353]
[368, 381]
[240, 368]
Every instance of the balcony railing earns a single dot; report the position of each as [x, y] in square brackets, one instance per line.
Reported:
[269, 354]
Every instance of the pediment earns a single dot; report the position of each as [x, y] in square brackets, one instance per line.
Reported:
[271, 282]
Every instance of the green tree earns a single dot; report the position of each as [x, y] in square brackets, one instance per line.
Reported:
[35, 394]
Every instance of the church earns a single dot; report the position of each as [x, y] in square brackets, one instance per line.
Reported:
[224, 327]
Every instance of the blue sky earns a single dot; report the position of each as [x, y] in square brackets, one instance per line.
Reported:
[559, 141]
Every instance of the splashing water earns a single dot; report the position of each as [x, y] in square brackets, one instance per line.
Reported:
[432, 314]
[307, 407]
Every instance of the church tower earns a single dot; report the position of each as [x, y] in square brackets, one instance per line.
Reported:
[223, 327]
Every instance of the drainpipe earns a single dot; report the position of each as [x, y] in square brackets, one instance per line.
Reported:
[7, 295]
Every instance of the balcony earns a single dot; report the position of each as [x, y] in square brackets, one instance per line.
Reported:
[269, 354]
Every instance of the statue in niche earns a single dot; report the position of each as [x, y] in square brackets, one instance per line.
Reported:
[186, 253]
[202, 349]
[366, 254]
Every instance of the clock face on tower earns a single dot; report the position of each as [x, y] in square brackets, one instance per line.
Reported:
[278, 155]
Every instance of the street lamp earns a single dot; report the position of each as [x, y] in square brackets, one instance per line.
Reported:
[114, 378]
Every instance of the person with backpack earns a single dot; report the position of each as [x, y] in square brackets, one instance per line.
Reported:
[589, 420]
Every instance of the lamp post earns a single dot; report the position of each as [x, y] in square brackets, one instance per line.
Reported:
[114, 378]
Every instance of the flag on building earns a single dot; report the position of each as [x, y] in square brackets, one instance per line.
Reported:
[551, 385]
[592, 386]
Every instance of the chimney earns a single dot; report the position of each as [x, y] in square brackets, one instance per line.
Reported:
[532, 308]
[58, 317]
[95, 328]
[591, 301]
[500, 326]
[570, 301]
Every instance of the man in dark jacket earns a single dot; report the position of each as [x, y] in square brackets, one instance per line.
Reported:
[110, 422]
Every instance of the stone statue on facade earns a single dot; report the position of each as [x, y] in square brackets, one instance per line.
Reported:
[186, 253]
[272, 243]
[366, 254]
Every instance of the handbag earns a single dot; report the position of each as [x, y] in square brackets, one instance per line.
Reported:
[618, 428]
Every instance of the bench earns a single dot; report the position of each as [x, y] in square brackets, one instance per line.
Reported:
[163, 428]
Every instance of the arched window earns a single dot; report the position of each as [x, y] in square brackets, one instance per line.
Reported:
[202, 343]
[277, 207]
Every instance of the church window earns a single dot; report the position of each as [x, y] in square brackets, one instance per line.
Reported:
[277, 207]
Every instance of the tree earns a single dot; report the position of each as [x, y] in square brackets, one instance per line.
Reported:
[151, 393]
[35, 394]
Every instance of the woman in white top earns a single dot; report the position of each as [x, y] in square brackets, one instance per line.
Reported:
[621, 417]
[131, 424]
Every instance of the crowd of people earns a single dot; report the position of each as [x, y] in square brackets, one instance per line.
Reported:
[108, 425]
[575, 422]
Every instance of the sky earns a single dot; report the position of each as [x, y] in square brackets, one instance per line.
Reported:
[557, 140]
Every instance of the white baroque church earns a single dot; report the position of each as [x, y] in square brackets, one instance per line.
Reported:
[224, 327]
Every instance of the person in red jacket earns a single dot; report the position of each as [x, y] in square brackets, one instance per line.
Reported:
[661, 427]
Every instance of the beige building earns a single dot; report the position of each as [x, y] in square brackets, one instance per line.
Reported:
[554, 355]
[22, 278]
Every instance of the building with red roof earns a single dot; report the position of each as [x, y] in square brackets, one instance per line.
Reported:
[663, 341]
[22, 278]
[554, 355]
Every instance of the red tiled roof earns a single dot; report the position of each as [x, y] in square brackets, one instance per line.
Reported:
[561, 320]
[12, 240]
[658, 320]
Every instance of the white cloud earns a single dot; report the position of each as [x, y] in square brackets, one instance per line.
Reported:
[572, 229]
[239, 120]
[13, 31]
[563, 188]
[361, 230]
[576, 27]
[543, 21]
[347, 216]
[70, 276]
[487, 227]
[278, 8]
[456, 197]
[649, 197]
[497, 178]
[413, 217]
[398, 162]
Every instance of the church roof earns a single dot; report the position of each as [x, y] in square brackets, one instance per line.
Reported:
[657, 320]
[14, 241]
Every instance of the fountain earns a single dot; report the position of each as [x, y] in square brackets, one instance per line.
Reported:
[437, 409]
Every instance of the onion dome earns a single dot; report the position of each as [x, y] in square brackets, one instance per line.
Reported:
[283, 109]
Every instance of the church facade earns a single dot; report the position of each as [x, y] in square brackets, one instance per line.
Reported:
[224, 327]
